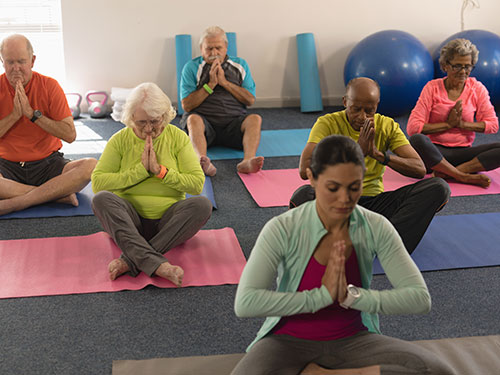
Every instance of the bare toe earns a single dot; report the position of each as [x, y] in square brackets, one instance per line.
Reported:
[207, 166]
[252, 165]
[117, 267]
[175, 274]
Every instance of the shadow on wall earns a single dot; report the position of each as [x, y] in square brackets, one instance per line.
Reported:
[166, 77]
[290, 91]
[334, 69]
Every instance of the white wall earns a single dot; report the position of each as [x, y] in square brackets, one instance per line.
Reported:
[125, 42]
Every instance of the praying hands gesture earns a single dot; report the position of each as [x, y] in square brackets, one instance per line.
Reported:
[23, 101]
[454, 119]
[366, 139]
[148, 157]
[334, 277]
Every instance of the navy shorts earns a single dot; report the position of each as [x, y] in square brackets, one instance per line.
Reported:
[220, 133]
[34, 173]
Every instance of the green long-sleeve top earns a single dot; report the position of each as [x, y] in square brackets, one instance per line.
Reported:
[121, 171]
[284, 248]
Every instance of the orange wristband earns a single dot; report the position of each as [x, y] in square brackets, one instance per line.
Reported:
[163, 172]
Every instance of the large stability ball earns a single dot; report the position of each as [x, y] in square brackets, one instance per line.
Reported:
[487, 69]
[400, 64]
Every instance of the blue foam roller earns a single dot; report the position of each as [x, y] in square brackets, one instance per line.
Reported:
[310, 89]
[183, 54]
[232, 50]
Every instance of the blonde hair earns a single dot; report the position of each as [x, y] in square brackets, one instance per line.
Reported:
[152, 100]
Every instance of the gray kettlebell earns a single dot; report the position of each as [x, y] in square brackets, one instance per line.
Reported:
[75, 108]
[97, 109]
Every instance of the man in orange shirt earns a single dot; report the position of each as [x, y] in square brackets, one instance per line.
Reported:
[34, 117]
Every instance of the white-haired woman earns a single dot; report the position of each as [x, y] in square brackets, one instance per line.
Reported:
[449, 112]
[141, 181]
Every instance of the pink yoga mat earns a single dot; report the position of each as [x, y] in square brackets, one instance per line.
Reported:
[393, 180]
[272, 188]
[73, 265]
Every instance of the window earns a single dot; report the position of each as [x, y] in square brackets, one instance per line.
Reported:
[40, 22]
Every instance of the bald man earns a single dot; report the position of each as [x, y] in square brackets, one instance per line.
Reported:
[34, 117]
[410, 208]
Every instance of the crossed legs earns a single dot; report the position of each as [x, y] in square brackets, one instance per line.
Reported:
[460, 163]
[250, 128]
[15, 196]
[287, 355]
[122, 222]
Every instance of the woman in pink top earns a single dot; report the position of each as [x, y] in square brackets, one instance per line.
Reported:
[448, 113]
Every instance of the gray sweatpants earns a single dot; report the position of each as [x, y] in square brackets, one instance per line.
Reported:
[287, 355]
[143, 253]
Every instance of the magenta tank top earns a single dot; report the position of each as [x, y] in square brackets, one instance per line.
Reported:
[330, 323]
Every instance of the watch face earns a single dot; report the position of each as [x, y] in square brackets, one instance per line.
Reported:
[37, 114]
[354, 291]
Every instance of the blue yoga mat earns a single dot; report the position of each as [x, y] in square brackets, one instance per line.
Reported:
[458, 241]
[208, 191]
[232, 50]
[84, 208]
[310, 89]
[57, 209]
[288, 142]
[183, 54]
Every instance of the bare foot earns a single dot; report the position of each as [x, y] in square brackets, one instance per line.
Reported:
[467, 178]
[171, 273]
[117, 267]
[476, 179]
[251, 165]
[69, 199]
[207, 166]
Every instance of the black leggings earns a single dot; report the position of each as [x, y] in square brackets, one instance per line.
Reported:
[432, 154]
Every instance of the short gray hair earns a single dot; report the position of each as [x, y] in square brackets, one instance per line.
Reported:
[211, 32]
[460, 47]
[152, 100]
[29, 46]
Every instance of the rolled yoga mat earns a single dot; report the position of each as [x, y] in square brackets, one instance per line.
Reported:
[310, 89]
[466, 355]
[232, 49]
[183, 54]
[75, 265]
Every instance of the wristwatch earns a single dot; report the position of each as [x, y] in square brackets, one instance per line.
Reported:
[36, 115]
[352, 295]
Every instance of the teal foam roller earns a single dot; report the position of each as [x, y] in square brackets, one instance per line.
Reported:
[310, 89]
[232, 50]
[183, 54]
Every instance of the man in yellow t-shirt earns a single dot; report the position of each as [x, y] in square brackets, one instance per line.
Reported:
[410, 208]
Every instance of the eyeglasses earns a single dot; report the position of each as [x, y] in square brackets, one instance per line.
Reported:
[458, 67]
[155, 122]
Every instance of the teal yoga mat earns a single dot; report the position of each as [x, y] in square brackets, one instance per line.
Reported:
[286, 142]
[458, 241]
[183, 54]
[84, 208]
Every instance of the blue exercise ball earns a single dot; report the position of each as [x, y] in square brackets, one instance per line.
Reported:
[400, 64]
[487, 69]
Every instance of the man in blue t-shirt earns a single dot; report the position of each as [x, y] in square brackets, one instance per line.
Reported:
[215, 91]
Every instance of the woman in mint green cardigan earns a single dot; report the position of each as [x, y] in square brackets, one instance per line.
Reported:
[141, 181]
[323, 313]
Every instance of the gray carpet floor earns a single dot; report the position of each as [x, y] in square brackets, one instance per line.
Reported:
[83, 334]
